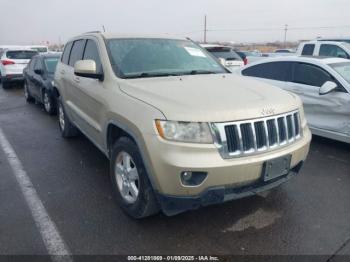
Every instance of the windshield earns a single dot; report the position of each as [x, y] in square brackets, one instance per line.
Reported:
[141, 57]
[343, 69]
[50, 64]
[40, 49]
[225, 53]
[20, 54]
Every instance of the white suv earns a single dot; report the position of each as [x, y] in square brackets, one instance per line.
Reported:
[12, 63]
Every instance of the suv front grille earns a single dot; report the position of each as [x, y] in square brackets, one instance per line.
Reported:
[258, 135]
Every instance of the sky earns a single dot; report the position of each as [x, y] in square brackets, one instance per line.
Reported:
[55, 21]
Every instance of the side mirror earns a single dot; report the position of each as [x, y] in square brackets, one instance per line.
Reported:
[327, 87]
[87, 68]
[38, 71]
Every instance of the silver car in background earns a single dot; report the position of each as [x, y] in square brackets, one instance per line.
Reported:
[323, 84]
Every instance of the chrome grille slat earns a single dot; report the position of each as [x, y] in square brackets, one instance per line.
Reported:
[248, 137]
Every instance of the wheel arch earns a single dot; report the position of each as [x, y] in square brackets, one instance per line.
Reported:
[114, 131]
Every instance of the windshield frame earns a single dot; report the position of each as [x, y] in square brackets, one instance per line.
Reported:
[118, 73]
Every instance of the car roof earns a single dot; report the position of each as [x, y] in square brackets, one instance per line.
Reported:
[127, 35]
[307, 59]
[326, 42]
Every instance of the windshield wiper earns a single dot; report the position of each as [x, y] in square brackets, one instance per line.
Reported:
[156, 74]
[201, 72]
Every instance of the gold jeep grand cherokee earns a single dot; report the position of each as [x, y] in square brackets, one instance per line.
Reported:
[179, 130]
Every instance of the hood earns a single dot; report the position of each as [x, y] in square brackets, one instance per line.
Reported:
[210, 98]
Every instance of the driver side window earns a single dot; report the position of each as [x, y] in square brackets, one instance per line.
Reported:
[311, 75]
[332, 51]
[91, 53]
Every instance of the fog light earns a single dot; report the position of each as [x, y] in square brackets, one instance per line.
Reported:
[192, 178]
[186, 176]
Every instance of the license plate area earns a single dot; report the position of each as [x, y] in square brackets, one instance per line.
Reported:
[276, 167]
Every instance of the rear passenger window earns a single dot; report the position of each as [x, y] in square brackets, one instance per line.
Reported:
[66, 52]
[332, 51]
[276, 71]
[308, 49]
[77, 52]
[91, 53]
[310, 75]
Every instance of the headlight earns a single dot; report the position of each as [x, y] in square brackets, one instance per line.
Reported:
[189, 132]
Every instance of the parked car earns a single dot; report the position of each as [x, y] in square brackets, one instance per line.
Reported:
[243, 56]
[179, 129]
[284, 51]
[12, 63]
[226, 55]
[253, 56]
[324, 48]
[322, 83]
[38, 81]
[42, 49]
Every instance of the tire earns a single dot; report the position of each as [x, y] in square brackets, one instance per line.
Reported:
[143, 203]
[49, 103]
[27, 94]
[66, 126]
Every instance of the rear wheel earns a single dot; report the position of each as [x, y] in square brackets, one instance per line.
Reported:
[49, 103]
[66, 126]
[27, 94]
[131, 187]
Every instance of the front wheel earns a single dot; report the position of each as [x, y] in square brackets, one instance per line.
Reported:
[131, 187]
[66, 126]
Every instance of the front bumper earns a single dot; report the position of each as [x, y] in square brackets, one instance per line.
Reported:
[172, 205]
[167, 160]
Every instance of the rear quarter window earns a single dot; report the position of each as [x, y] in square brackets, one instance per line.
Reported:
[308, 49]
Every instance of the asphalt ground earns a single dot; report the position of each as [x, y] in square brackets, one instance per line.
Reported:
[309, 215]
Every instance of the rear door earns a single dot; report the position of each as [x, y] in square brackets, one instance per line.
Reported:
[29, 74]
[320, 110]
[71, 81]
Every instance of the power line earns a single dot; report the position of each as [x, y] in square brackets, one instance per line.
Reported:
[270, 29]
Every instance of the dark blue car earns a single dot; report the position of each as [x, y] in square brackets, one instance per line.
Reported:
[38, 81]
